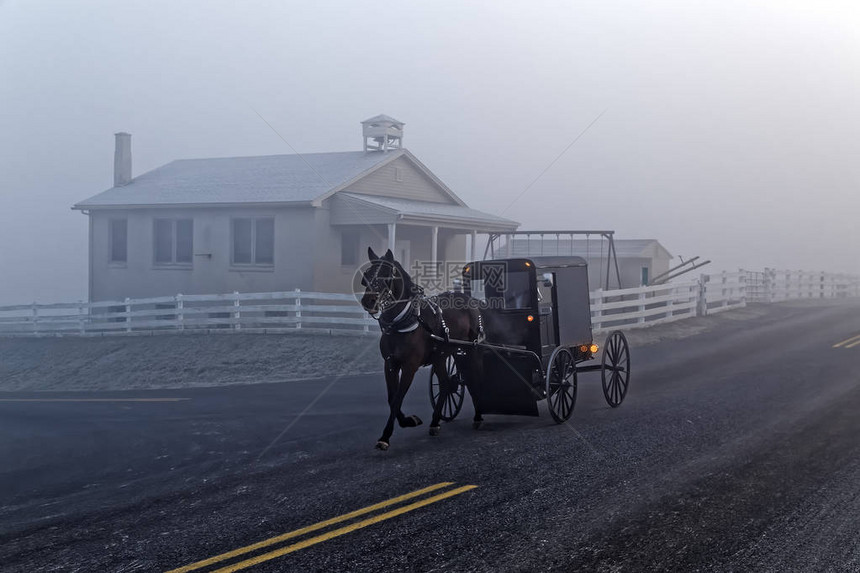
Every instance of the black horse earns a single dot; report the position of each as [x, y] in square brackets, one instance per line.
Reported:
[415, 332]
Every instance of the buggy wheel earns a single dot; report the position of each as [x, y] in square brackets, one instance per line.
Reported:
[615, 368]
[456, 391]
[561, 384]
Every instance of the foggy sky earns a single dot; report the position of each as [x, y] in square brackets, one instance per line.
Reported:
[730, 132]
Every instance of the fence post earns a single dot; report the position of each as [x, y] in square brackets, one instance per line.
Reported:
[702, 300]
[671, 302]
[180, 316]
[766, 286]
[298, 308]
[724, 290]
[81, 321]
[237, 314]
[641, 298]
[742, 287]
[35, 312]
[127, 314]
[597, 309]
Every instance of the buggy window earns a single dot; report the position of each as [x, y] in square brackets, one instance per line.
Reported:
[517, 291]
[505, 289]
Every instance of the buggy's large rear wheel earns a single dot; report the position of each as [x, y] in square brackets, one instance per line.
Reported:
[454, 391]
[561, 384]
[615, 368]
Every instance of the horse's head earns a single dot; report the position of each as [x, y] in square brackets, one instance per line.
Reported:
[382, 280]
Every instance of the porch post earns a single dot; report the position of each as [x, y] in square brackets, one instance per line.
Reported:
[474, 245]
[392, 228]
[434, 248]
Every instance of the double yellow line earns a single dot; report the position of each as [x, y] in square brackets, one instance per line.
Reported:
[849, 342]
[324, 524]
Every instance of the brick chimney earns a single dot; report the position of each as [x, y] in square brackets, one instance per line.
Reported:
[122, 159]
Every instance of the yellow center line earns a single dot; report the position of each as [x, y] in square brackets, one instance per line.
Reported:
[342, 531]
[310, 528]
[93, 399]
[850, 342]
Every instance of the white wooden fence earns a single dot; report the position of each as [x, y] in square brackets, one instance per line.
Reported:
[644, 306]
[773, 285]
[291, 311]
[236, 312]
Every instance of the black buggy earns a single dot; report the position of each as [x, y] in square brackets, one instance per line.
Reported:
[537, 320]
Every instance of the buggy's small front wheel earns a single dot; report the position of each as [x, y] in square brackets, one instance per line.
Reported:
[561, 384]
[451, 394]
[615, 368]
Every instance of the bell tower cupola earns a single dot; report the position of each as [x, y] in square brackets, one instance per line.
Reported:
[382, 133]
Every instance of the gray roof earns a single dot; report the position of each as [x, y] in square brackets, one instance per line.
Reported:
[624, 248]
[411, 209]
[381, 118]
[242, 180]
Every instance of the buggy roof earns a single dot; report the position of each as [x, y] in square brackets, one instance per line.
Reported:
[542, 262]
[557, 262]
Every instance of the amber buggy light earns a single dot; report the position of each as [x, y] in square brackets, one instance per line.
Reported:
[594, 348]
[530, 318]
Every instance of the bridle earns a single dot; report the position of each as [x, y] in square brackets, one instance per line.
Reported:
[391, 316]
[381, 287]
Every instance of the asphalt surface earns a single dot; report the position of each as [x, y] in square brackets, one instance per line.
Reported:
[737, 449]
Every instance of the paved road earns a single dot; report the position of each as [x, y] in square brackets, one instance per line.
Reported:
[737, 449]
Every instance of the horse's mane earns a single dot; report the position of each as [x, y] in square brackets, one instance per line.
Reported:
[409, 287]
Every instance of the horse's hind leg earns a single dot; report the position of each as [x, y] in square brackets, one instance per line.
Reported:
[473, 366]
[439, 366]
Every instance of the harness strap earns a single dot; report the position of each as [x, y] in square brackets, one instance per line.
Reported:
[431, 302]
[409, 318]
[405, 321]
[481, 335]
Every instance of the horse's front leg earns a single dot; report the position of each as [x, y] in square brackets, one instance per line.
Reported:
[392, 380]
[398, 379]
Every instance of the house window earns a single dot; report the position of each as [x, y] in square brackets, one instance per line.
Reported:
[398, 174]
[118, 240]
[173, 241]
[349, 248]
[644, 276]
[253, 241]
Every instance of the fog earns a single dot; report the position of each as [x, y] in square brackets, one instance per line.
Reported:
[730, 128]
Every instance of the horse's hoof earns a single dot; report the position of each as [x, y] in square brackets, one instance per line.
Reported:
[434, 430]
[411, 422]
[380, 445]
[477, 424]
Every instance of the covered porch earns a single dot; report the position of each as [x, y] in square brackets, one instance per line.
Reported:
[429, 239]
